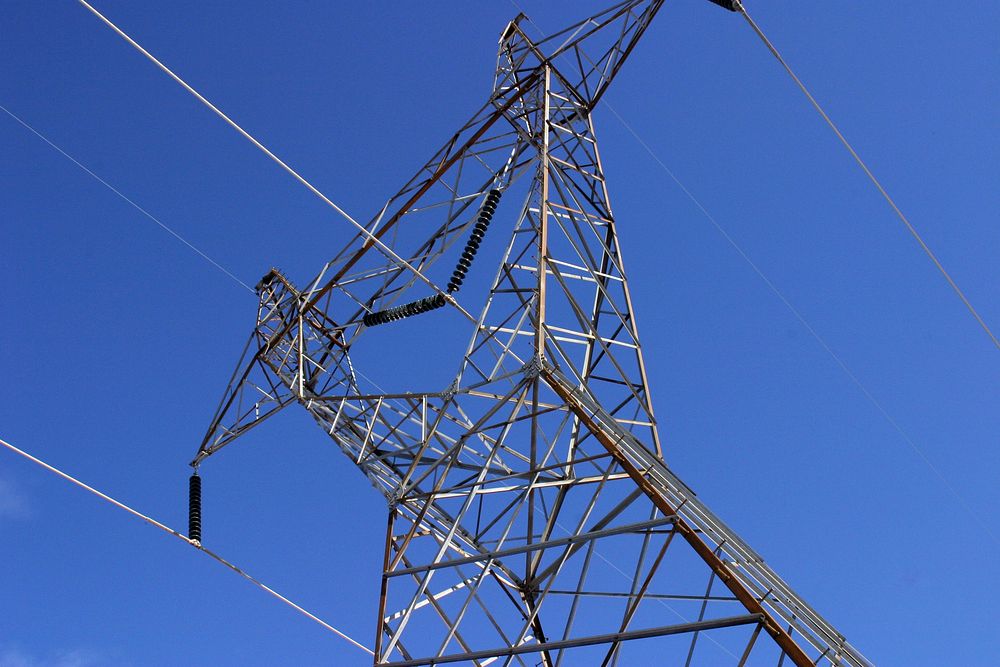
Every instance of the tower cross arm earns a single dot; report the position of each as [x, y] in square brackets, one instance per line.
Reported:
[588, 54]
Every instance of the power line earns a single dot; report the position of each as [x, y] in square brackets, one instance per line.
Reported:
[808, 327]
[301, 179]
[797, 314]
[197, 545]
[805, 323]
[861, 163]
[120, 505]
[122, 196]
[364, 231]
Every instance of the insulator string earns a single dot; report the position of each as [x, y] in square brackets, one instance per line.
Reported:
[462, 266]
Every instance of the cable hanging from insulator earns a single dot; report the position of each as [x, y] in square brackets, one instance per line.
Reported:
[429, 303]
[194, 508]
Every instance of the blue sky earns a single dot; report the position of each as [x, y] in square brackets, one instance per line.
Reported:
[117, 339]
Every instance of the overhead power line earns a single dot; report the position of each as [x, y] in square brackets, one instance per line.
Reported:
[871, 176]
[364, 231]
[118, 192]
[965, 505]
[218, 112]
[809, 328]
[197, 545]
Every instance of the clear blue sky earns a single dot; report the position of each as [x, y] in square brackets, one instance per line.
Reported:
[116, 339]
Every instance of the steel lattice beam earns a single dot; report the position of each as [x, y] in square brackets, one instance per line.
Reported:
[530, 509]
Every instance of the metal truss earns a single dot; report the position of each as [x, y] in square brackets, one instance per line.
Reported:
[532, 519]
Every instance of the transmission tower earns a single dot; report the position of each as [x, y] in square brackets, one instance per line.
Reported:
[532, 519]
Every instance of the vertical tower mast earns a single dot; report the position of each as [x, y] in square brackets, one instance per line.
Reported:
[532, 519]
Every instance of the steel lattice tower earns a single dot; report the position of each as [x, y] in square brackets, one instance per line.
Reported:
[532, 519]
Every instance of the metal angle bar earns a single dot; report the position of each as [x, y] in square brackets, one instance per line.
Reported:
[613, 237]
[584, 321]
[409, 482]
[535, 546]
[433, 600]
[425, 581]
[592, 218]
[664, 630]
[610, 516]
[567, 552]
[750, 644]
[637, 597]
[648, 596]
[557, 481]
[735, 583]
[701, 616]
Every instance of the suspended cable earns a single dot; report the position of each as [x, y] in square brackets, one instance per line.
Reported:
[194, 543]
[218, 112]
[798, 316]
[374, 240]
[861, 163]
[808, 327]
[122, 196]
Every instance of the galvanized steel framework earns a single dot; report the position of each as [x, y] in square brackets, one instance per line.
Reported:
[532, 519]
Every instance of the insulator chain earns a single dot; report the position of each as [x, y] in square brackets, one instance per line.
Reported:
[194, 508]
[406, 310]
[457, 277]
[472, 245]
